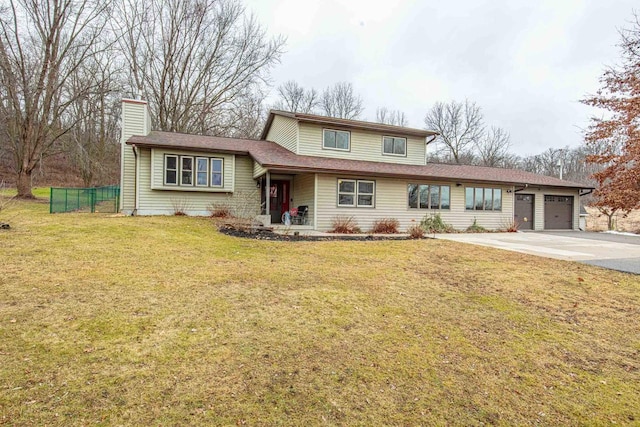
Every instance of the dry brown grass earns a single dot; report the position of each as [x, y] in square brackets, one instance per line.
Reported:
[164, 321]
[385, 226]
[598, 222]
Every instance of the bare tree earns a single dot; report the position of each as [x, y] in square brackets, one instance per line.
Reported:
[194, 60]
[295, 98]
[493, 147]
[460, 127]
[340, 101]
[391, 117]
[92, 142]
[42, 46]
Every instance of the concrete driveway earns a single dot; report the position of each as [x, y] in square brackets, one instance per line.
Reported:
[613, 251]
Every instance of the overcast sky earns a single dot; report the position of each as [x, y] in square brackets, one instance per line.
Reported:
[526, 63]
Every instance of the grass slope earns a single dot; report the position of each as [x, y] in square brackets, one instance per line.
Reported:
[162, 320]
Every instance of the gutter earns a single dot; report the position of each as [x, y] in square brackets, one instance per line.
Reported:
[521, 189]
[588, 192]
[135, 181]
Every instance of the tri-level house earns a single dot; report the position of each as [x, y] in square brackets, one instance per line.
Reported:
[333, 167]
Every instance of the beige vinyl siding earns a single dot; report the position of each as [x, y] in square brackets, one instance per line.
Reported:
[538, 204]
[284, 132]
[134, 123]
[391, 202]
[364, 146]
[158, 171]
[258, 170]
[161, 202]
[303, 193]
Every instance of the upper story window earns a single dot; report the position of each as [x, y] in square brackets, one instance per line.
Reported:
[394, 146]
[336, 140]
[425, 196]
[190, 170]
[483, 199]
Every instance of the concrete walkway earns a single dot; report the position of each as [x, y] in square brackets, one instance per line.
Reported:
[611, 251]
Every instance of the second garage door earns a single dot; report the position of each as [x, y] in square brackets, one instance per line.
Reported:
[558, 212]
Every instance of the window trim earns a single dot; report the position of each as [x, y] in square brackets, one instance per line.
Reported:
[356, 193]
[475, 202]
[429, 208]
[166, 169]
[193, 162]
[384, 153]
[211, 172]
[324, 147]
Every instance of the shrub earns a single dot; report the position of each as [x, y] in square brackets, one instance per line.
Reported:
[385, 226]
[180, 206]
[344, 225]
[416, 232]
[434, 224]
[476, 228]
[510, 226]
[219, 210]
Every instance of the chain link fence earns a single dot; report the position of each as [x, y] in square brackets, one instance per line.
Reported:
[94, 199]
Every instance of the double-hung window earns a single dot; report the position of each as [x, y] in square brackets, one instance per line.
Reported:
[202, 171]
[336, 140]
[429, 196]
[356, 193]
[394, 146]
[189, 171]
[170, 170]
[216, 172]
[186, 170]
[483, 199]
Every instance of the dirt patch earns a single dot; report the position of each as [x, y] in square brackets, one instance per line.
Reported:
[270, 235]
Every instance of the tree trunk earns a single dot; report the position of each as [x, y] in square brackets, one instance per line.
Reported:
[610, 221]
[24, 185]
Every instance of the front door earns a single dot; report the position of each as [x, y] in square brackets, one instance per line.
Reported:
[278, 200]
[523, 215]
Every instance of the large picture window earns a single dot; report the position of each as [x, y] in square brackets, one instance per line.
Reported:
[429, 196]
[336, 139]
[394, 146]
[189, 171]
[356, 193]
[483, 199]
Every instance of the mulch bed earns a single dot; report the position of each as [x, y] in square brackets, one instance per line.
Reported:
[264, 234]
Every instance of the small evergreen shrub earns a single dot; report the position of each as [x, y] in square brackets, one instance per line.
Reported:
[344, 225]
[434, 224]
[385, 226]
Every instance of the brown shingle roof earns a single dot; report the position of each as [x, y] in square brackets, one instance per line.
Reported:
[272, 156]
[347, 124]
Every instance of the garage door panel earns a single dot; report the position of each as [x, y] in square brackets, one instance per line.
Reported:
[558, 212]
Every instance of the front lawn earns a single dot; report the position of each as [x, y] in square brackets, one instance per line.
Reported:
[164, 321]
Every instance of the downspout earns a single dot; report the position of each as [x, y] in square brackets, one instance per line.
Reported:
[426, 144]
[135, 180]
[520, 189]
[587, 193]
